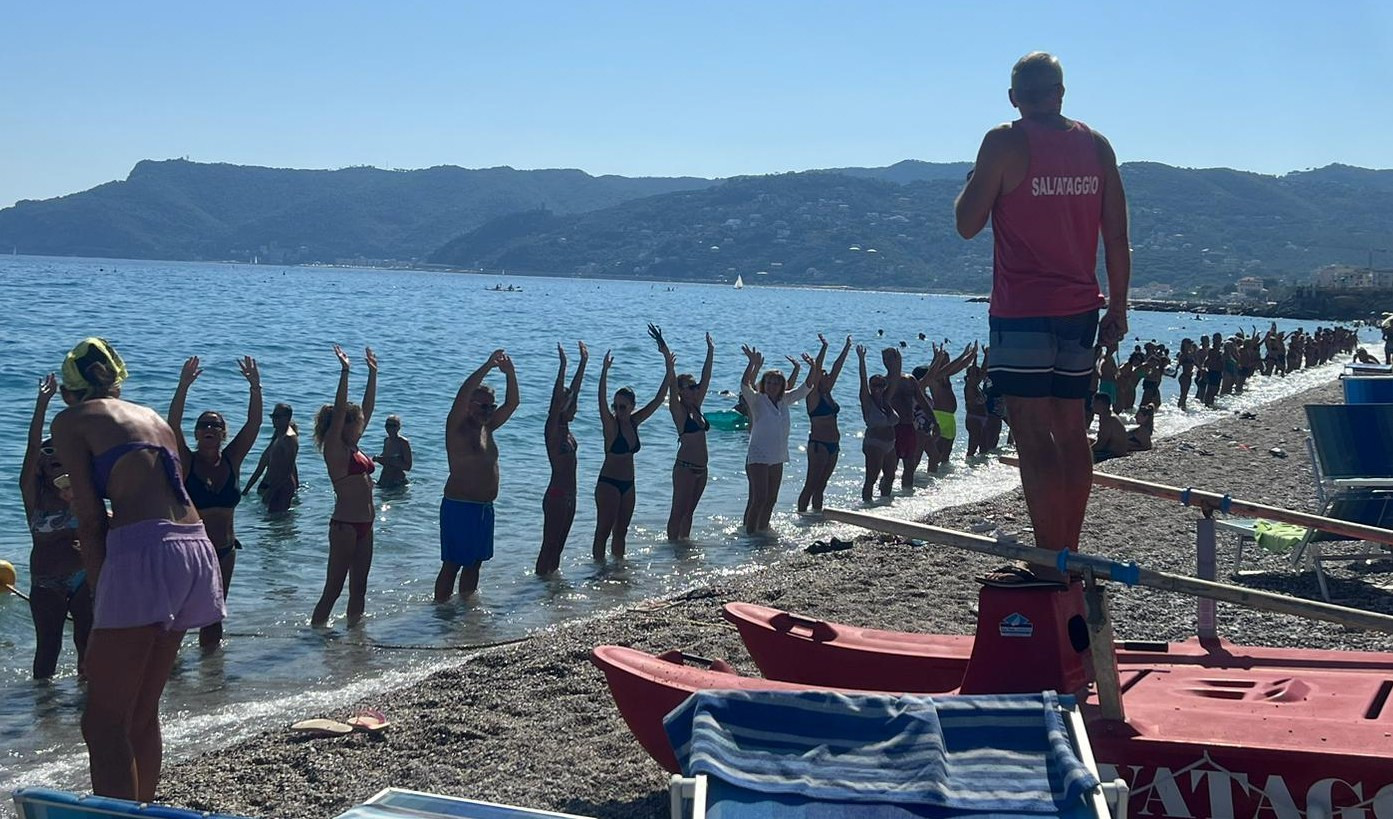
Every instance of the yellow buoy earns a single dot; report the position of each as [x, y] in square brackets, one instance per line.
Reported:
[7, 575]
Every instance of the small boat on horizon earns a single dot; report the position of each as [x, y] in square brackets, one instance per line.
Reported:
[739, 282]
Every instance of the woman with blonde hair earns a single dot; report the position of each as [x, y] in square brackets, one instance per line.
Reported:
[770, 402]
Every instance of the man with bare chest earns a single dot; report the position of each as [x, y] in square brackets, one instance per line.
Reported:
[466, 511]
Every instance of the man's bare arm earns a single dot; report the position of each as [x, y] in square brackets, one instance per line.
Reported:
[1117, 251]
[974, 205]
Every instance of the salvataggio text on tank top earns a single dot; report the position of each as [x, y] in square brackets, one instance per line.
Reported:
[1063, 185]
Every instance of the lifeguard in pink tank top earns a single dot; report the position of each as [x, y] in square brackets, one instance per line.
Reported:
[1045, 231]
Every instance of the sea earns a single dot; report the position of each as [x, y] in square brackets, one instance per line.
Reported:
[430, 330]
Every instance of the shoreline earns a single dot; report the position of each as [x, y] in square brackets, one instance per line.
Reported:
[532, 724]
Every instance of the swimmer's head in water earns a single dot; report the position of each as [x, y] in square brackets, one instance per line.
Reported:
[393, 423]
[210, 427]
[92, 369]
[773, 384]
[1037, 80]
[624, 401]
[280, 417]
[352, 424]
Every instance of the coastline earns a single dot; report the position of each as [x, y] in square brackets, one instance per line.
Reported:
[532, 724]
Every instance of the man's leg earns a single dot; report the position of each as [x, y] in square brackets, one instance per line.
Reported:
[1075, 476]
[1042, 467]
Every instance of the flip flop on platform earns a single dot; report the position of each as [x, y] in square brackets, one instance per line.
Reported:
[369, 720]
[322, 727]
[1016, 577]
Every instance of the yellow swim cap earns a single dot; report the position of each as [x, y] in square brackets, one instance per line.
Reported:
[91, 351]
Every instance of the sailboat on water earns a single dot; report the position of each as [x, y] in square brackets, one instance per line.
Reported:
[739, 282]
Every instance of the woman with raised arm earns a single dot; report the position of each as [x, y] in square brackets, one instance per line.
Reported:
[879, 414]
[211, 471]
[559, 502]
[689, 468]
[770, 404]
[152, 567]
[824, 438]
[57, 584]
[614, 490]
[337, 430]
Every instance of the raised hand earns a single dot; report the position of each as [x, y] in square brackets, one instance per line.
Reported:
[656, 333]
[343, 358]
[190, 371]
[503, 362]
[823, 339]
[584, 351]
[561, 353]
[793, 360]
[609, 359]
[371, 358]
[809, 360]
[247, 365]
[860, 350]
[710, 342]
[496, 357]
[48, 385]
[671, 358]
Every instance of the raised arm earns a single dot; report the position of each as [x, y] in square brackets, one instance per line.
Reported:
[668, 378]
[559, 396]
[753, 361]
[705, 383]
[797, 368]
[606, 414]
[29, 468]
[466, 391]
[370, 389]
[1117, 252]
[334, 433]
[837, 365]
[511, 399]
[861, 366]
[190, 372]
[246, 437]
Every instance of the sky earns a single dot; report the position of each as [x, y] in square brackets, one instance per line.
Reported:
[653, 88]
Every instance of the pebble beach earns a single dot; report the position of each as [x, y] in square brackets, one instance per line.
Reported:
[532, 723]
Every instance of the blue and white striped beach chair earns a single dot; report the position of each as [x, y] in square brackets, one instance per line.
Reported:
[815, 754]
[42, 803]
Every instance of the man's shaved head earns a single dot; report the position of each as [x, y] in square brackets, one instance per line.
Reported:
[1035, 76]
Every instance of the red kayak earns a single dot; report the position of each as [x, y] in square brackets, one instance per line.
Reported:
[1211, 730]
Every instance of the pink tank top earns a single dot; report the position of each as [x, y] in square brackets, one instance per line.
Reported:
[1045, 231]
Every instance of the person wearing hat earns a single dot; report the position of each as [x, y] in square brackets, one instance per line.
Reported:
[58, 585]
[153, 570]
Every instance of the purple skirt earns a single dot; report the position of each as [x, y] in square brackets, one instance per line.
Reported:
[158, 572]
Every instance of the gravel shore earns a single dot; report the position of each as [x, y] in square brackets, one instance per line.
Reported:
[533, 724]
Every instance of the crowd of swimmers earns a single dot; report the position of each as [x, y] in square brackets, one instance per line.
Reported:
[154, 512]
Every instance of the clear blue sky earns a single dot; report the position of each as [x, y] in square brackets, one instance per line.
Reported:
[658, 88]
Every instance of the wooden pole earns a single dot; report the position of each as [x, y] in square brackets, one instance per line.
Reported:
[1227, 505]
[1130, 573]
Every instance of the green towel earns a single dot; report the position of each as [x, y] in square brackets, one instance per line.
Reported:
[1280, 538]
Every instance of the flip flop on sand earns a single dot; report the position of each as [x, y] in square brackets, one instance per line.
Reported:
[322, 728]
[369, 720]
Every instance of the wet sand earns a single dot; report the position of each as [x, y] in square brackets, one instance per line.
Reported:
[532, 724]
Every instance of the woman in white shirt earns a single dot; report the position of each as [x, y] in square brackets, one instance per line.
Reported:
[770, 417]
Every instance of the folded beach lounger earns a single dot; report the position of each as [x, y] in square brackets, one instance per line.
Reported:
[396, 803]
[1351, 447]
[42, 803]
[806, 754]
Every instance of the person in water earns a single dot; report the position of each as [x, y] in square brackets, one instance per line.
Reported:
[878, 412]
[337, 430]
[824, 438]
[614, 488]
[771, 416]
[559, 501]
[211, 470]
[689, 465]
[152, 567]
[466, 510]
[57, 583]
[938, 380]
[396, 456]
[277, 463]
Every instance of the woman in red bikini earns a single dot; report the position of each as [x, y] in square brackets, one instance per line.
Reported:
[559, 502]
[337, 429]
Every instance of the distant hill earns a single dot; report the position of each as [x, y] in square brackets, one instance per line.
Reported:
[852, 227]
[858, 226]
[176, 209]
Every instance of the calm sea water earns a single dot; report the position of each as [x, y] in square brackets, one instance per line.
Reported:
[430, 330]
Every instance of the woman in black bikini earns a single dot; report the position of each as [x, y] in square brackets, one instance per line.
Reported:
[58, 585]
[211, 471]
[879, 413]
[337, 430]
[614, 490]
[824, 439]
[1185, 359]
[689, 470]
[559, 502]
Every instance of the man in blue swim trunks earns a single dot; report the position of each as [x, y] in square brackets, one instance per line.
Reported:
[466, 511]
